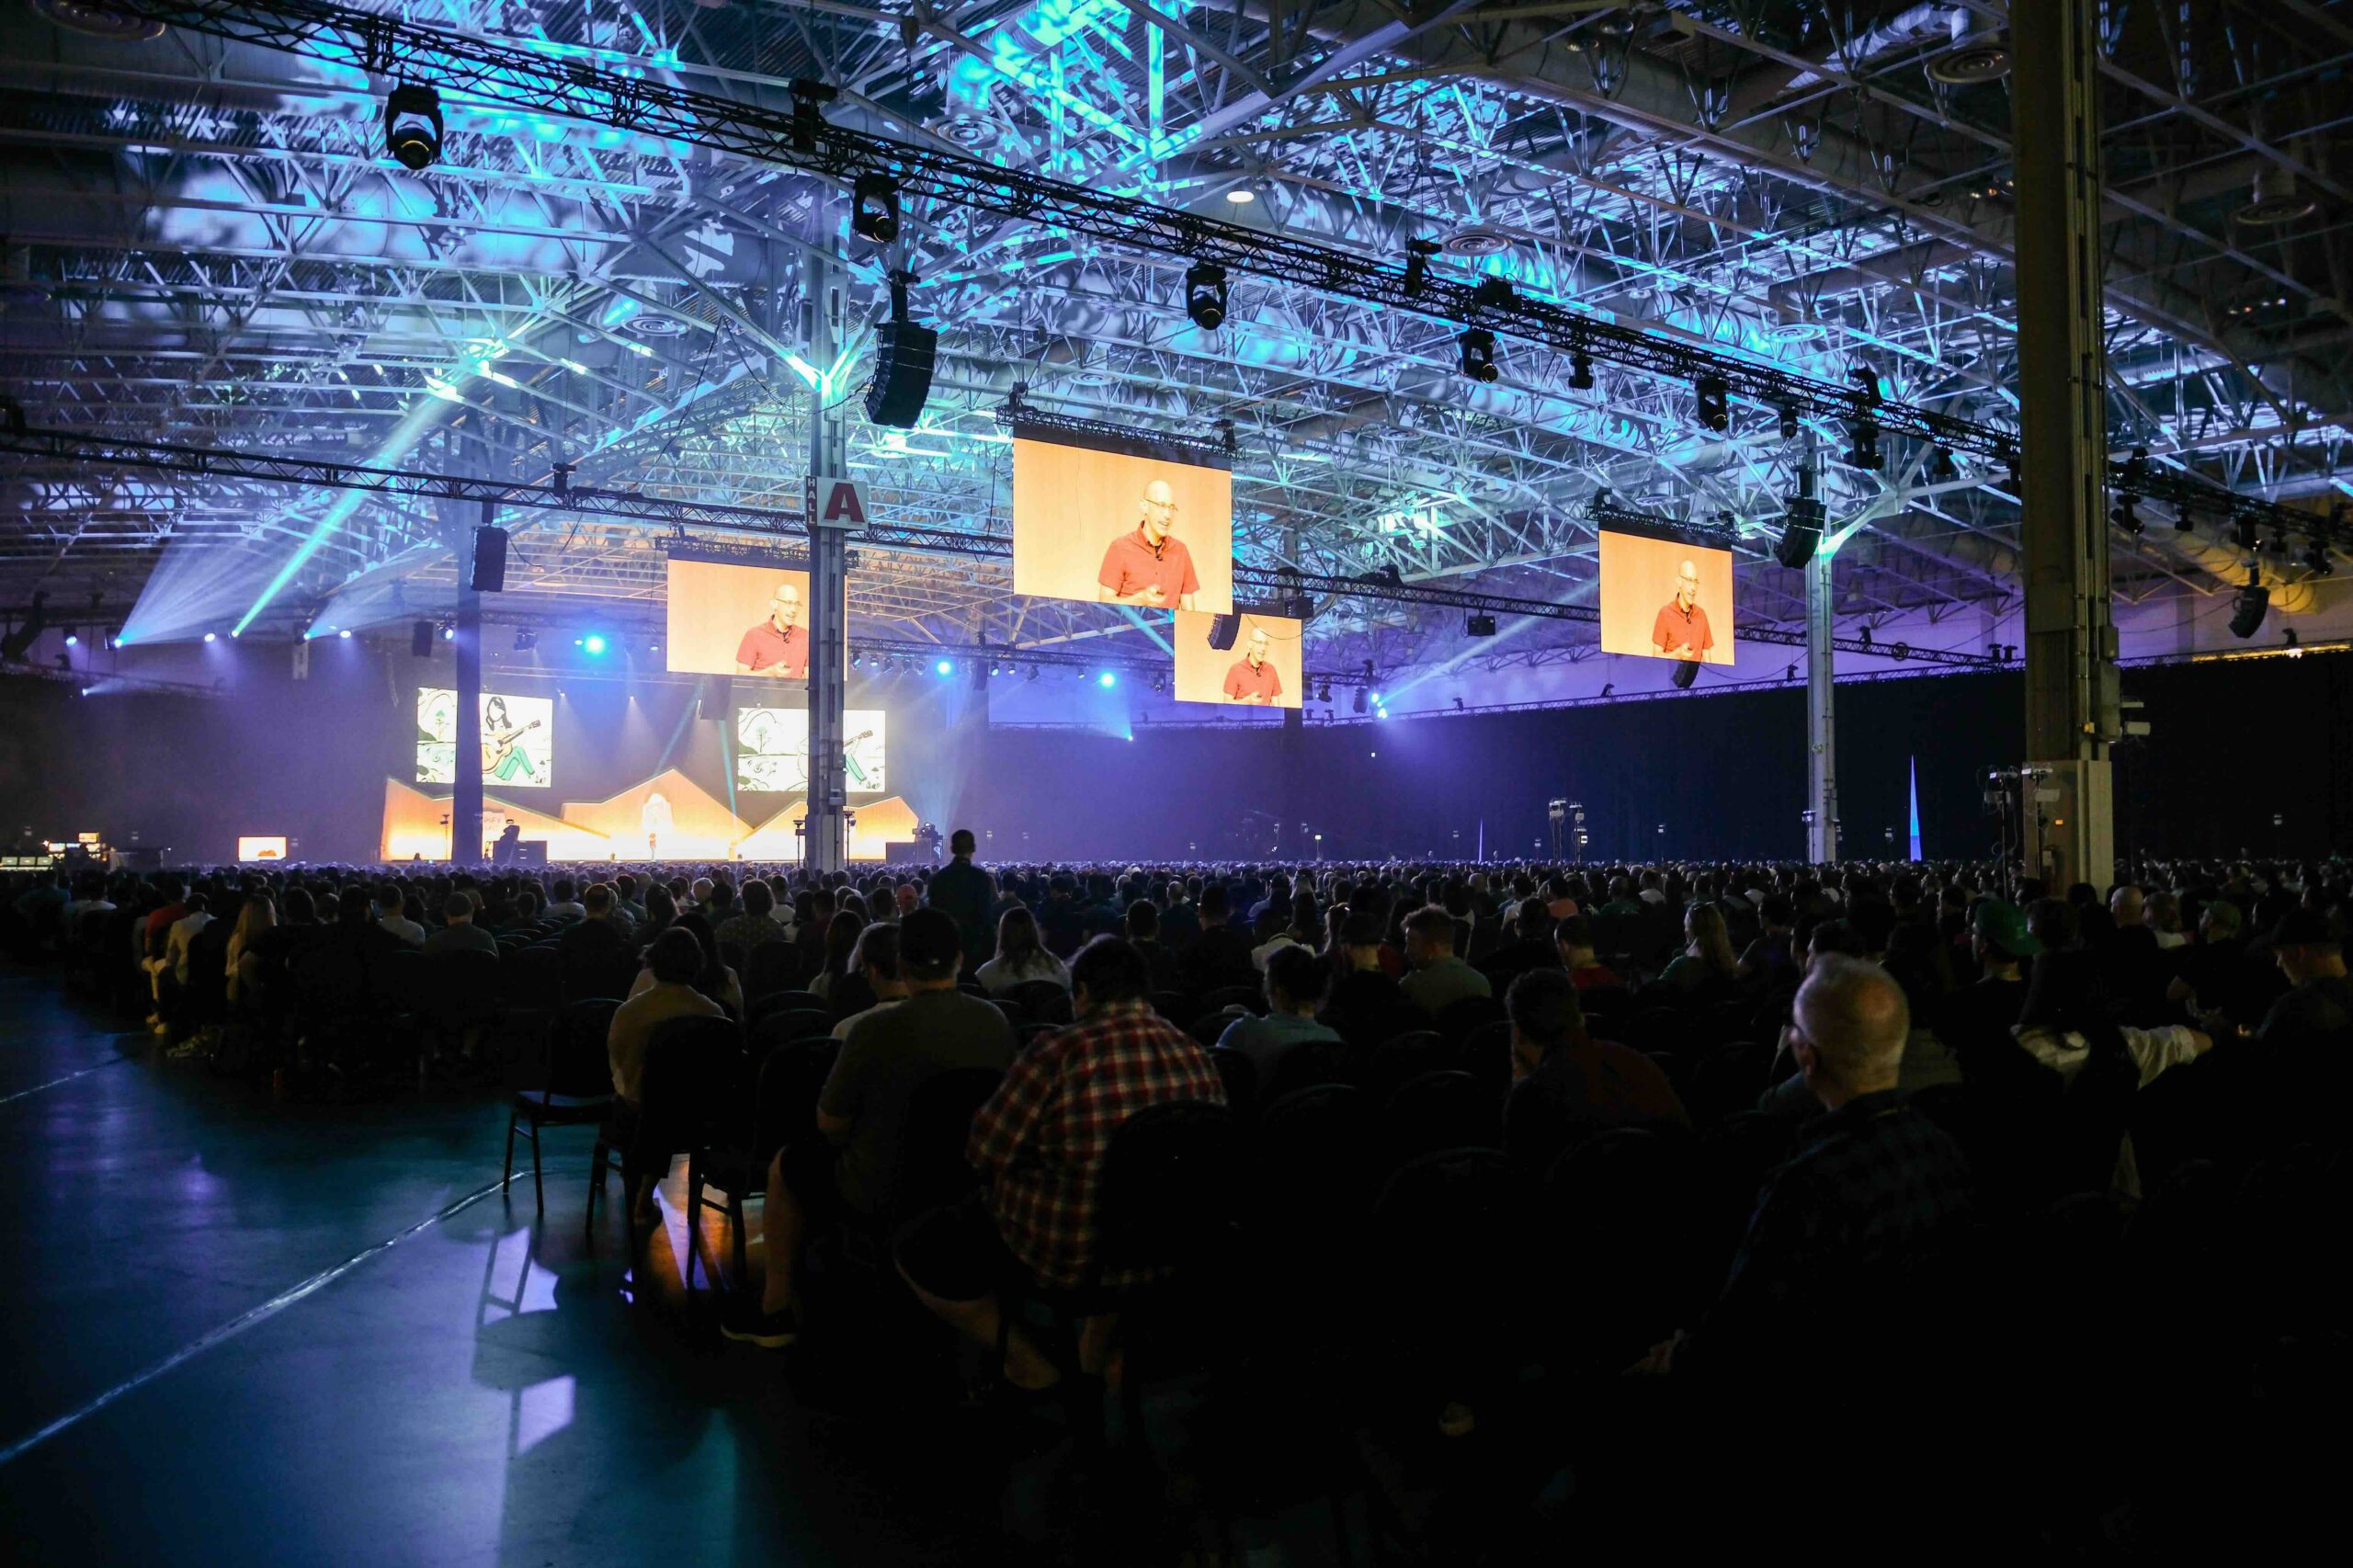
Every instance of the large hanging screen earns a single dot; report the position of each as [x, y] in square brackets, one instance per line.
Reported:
[1665, 598]
[732, 618]
[518, 739]
[1137, 524]
[1259, 668]
[772, 750]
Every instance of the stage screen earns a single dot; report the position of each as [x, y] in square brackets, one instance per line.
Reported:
[772, 750]
[518, 739]
[261, 847]
[1665, 598]
[1261, 670]
[1156, 531]
[730, 618]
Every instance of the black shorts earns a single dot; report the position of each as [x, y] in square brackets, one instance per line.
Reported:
[956, 1253]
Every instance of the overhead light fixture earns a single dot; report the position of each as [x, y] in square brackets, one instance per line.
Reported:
[1418, 264]
[72, 641]
[1864, 452]
[594, 643]
[1479, 626]
[345, 634]
[1324, 692]
[1789, 422]
[212, 637]
[449, 633]
[1942, 466]
[526, 639]
[1205, 295]
[1241, 196]
[874, 208]
[2249, 606]
[1160, 683]
[1106, 679]
[1580, 370]
[1685, 672]
[1714, 405]
[413, 126]
[2127, 515]
[1479, 355]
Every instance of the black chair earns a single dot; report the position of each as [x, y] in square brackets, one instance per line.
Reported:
[769, 970]
[1485, 1051]
[692, 1083]
[1441, 1110]
[1404, 1056]
[571, 1083]
[1042, 999]
[1304, 1065]
[1458, 1020]
[1240, 1076]
[1015, 1013]
[781, 1031]
[1174, 1005]
[1210, 1028]
[535, 978]
[454, 992]
[1623, 1206]
[932, 1170]
[1315, 1159]
[1454, 1225]
[1251, 998]
[777, 1002]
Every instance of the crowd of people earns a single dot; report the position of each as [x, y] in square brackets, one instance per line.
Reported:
[1738, 1154]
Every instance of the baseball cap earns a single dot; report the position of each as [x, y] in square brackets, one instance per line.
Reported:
[2303, 929]
[2003, 925]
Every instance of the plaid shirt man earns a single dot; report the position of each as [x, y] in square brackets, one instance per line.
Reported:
[1040, 1141]
[1871, 1189]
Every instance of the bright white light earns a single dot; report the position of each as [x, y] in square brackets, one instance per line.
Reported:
[1240, 196]
[345, 634]
[72, 641]
[211, 636]
[1107, 679]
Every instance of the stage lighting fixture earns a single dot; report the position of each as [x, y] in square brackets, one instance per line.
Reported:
[1106, 679]
[413, 126]
[1580, 370]
[1205, 295]
[2126, 515]
[1714, 405]
[345, 634]
[874, 208]
[526, 639]
[1685, 674]
[2181, 523]
[448, 634]
[1866, 381]
[1160, 683]
[211, 636]
[2316, 561]
[943, 668]
[1479, 355]
[1942, 466]
[1479, 626]
[2243, 532]
[1789, 422]
[594, 642]
[1418, 264]
[1864, 453]
[1458, 705]
[1032, 674]
[72, 641]
[1324, 693]
[2249, 606]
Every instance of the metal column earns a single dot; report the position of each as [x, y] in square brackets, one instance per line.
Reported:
[827, 848]
[2070, 688]
[1820, 738]
[465, 788]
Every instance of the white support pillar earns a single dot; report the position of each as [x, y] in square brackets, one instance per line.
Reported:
[826, 847]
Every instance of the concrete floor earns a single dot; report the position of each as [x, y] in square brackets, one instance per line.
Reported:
[213, 1355]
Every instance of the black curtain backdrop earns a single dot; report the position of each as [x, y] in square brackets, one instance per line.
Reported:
[2235, 744]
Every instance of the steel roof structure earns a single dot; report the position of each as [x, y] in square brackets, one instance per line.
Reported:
[203, 241]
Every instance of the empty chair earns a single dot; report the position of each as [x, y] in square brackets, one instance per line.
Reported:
[1458, 1020]
[1404, 1056]
[568, 1082]
[1441, 1110]
[694, 1078]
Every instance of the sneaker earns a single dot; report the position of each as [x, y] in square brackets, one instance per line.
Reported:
[770, 1331]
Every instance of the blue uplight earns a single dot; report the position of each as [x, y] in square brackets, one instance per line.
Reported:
[943, 668]
[72, 641]
[594, 642]
[1106, 679]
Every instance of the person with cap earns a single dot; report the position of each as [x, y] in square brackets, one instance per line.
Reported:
[2316, 1015]
[2000, 941]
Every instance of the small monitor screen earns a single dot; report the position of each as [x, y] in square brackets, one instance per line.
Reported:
[1151, 527]
[772, 750]
[1665, 598]
[1260, 668]
[261, 846]
[518, 739]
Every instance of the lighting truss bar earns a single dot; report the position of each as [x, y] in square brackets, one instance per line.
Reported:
[1617, 519]
[114, 682]
[1274, 583]
[801, 138]
[929, 653]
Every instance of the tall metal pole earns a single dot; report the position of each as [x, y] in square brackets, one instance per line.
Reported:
[465, 789]
[1820, 735]
[827, 848]
[2071, 688]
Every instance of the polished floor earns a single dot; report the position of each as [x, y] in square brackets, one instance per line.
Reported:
[239, 1332]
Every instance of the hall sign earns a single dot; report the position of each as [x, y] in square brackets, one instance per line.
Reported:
[835, 502]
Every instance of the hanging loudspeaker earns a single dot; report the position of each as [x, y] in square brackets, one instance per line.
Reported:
[489, 562]
[420, 639]
[712, 702]
[1222, 630]
[903, 351]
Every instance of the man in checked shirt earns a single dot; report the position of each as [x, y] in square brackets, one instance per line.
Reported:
[1038, 1144]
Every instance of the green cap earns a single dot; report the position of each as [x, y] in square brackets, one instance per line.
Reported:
[2003, 925]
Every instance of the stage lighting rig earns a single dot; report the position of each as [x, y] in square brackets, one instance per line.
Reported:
[413, 126]
[1205, 295]
[1789, 422]
[1715, 407]
[1418, 264]
[874, 208]
[526, 639]
[1324, 692]
[1942, 467]
[1864, 452]
[1476, 625]
[1479, 355]
[1580, 370]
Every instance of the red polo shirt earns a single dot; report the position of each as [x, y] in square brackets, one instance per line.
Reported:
[1133, 564]
[1244, 684]
[766, 651]
[1675, 626]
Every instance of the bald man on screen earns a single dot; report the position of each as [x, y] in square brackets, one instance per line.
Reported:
[1680, 628]
[1151, 565]
[777, 646]
[1253, 677]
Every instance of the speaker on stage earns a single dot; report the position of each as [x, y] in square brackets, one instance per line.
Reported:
[903, 352]
[420, 640]
[489, 562]
[1800, 534]
[1223, 628]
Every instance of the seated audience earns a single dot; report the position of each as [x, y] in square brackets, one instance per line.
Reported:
[459, 934]
[1439, 978]
[1296, 983]
[1021, 957]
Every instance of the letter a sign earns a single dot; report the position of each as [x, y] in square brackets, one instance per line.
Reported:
[836, 503]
